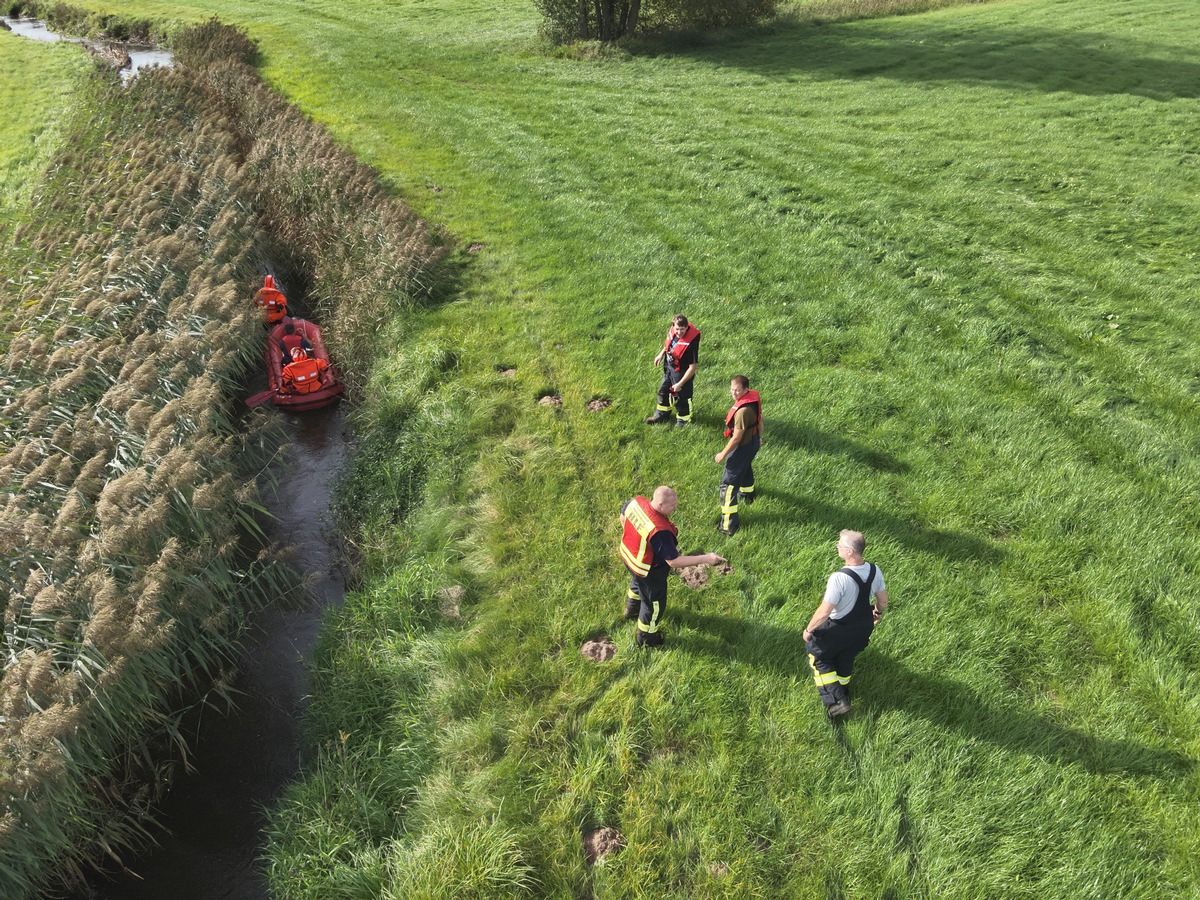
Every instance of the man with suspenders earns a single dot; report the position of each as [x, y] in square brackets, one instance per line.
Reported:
[841, 625]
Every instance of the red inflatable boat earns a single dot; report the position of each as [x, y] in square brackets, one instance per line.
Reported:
[330, 388]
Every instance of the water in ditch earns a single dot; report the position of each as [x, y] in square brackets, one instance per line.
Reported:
[140, 56]
[241, 762]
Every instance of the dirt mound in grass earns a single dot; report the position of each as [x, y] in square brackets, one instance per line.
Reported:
[451, 599]
[599, 649]
[550, 400]
[601, 843]
[599, 404]
[697, 577]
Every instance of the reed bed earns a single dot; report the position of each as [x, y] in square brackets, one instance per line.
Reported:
[127, 474]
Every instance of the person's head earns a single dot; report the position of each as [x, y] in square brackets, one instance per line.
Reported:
[679, 325]
[738, 385]
[665, 500]
[298, 354]
[289, 327]
[851, 544]
[269, 282]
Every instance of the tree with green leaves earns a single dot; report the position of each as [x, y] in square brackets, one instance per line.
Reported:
[611, 20]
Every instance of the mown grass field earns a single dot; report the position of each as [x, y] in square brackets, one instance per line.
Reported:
[29, 110]
[955, 251]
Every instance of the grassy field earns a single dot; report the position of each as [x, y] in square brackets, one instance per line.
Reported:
[954, 251]
[30, 109]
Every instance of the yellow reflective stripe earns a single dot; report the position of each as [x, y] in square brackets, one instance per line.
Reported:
[748, 490]
[652, 625]
[826, 678]
[633, 595]
[844, 679]
[632, 561]
[661, 408]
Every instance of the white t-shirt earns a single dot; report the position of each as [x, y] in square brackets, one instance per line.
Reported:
[842, 591]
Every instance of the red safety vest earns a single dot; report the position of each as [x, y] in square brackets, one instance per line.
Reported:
[692, 335]
[272, 300]
[304, 375]
[290, 342]
[640, 522]
[748, 398]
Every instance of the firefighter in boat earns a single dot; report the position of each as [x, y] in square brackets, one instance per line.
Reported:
[271, 301]
[304, 374]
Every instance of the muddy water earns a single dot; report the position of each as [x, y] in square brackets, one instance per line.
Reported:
[242, 761]
[140, 57]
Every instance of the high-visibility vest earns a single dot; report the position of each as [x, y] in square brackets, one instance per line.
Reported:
[675, 353]
[290, 342]
[271, 299]
[640, 522]
[304, 375]
[747, 399]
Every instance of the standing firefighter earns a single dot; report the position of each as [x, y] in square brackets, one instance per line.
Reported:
[743, 427]
[841, 626]
[679, 356]
[271, 301]
[649, 550]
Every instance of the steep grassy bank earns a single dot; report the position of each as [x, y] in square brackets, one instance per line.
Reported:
[953, 251]
[128, 474]
[29, 110]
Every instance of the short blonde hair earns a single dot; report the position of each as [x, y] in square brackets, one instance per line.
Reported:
[853, 540]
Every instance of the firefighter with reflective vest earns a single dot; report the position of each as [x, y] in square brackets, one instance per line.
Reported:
[303, 374]
[271, 301]
[841, 625]
[649, 549]
[679, 357]
[743, 428]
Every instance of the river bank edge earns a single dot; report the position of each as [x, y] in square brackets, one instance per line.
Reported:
[62, 211]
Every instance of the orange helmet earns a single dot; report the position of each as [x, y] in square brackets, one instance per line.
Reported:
[298, 353]
[269, 282]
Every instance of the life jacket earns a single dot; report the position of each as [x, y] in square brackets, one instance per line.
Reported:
[290, 342]
[747, 399]
[640, 522]
[303, 375]
[675, 353]
[272, 300]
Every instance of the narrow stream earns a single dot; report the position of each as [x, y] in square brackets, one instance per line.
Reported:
[242, 761]
[140, 56]
[211, 842]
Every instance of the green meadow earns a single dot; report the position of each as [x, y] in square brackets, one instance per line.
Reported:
[29, 111]
[956, 253]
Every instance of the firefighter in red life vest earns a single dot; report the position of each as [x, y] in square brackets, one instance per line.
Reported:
[271, 301]
[303, 374]
[679, 357]
[649, 550]
[290, 341]
[743, 427]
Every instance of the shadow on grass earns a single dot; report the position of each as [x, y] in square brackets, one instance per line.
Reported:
[882, 683]
[945, 50]
[817, 441]
[787, 507]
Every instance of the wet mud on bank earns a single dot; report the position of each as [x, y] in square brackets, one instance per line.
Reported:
[242, 761]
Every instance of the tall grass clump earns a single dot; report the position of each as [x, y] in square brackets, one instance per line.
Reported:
[367, 257]
[127, 474]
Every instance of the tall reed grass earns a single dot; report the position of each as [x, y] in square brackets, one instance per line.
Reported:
[127, 476]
